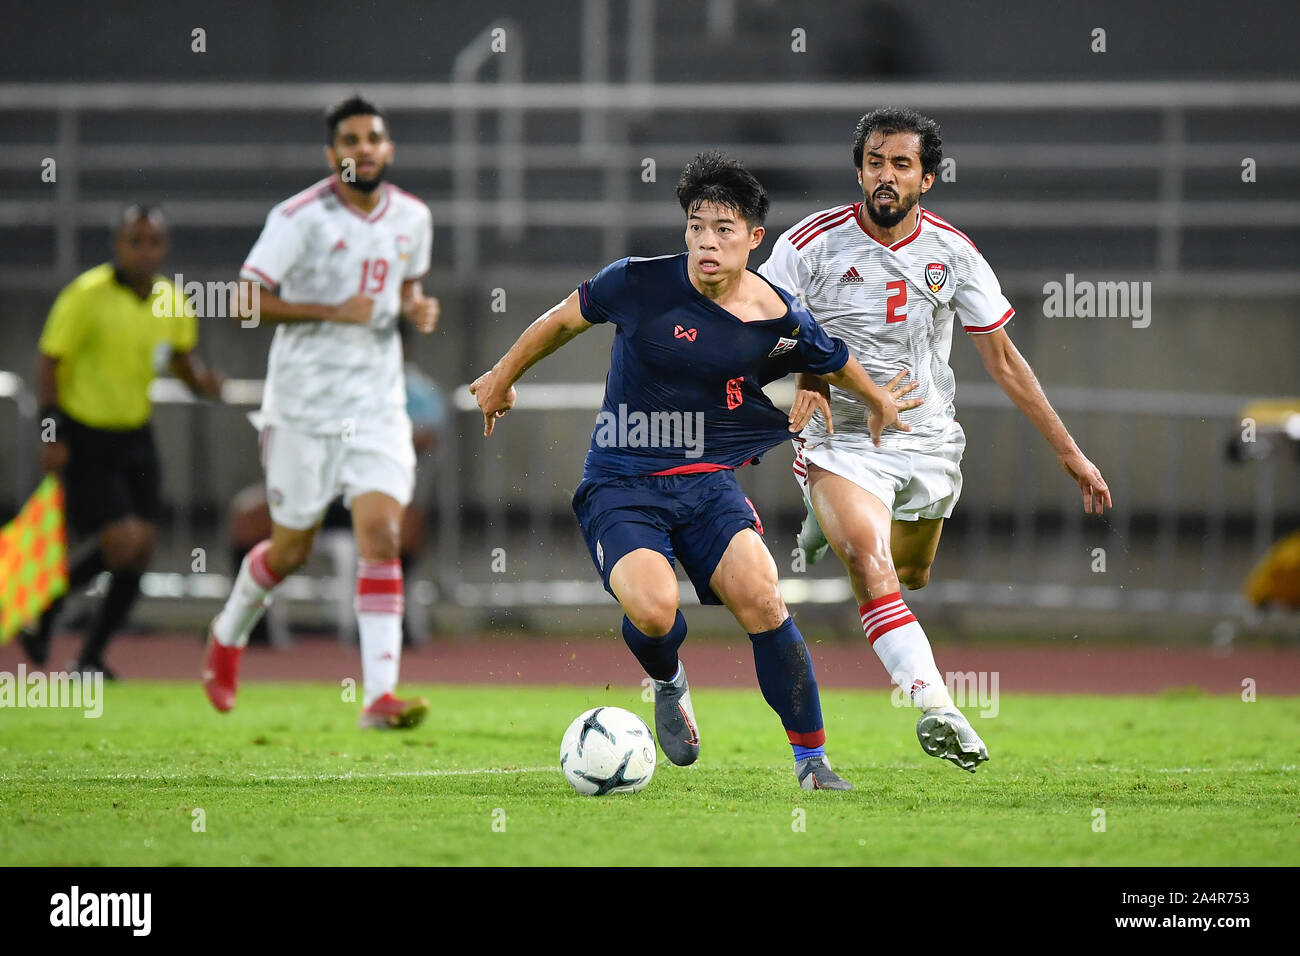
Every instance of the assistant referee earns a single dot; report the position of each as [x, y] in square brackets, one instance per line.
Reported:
[108, 331]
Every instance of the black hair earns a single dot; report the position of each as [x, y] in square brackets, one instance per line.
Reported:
[353, 106]
[717, 178]
[134, 212]
[895, 120]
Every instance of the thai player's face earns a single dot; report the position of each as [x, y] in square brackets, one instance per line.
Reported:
[361, 151]
[891, 178]
[139, 248]
[719, 241]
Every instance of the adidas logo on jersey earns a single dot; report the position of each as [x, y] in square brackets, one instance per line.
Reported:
[851, 276]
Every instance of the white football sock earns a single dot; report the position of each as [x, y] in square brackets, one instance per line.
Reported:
[248, 598]
[381, 653]
[379, 605]
[903, 648]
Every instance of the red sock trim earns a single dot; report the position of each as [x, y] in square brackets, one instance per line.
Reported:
[814, 738]
[379, 587]
[877, 602]
[259, 569]
[883, 614]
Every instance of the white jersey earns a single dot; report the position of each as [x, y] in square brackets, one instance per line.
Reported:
[893, 306]
[317, 248]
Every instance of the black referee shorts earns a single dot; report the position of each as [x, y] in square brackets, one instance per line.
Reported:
[110, 475]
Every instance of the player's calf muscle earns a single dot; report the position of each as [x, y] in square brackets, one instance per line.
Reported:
[870, 568]
[380, 540]
[912, 577]
[127, 544]
[289, 549]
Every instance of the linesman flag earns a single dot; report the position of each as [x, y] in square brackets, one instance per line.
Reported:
[33, 559]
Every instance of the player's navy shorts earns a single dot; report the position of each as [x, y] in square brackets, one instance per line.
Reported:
[691, 518]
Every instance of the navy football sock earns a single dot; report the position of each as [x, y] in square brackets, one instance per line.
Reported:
[785, 676]
[658, 655]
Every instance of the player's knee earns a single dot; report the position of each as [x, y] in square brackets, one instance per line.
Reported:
[380, 539]
[913, 578]
[767, 610]
[653, 615]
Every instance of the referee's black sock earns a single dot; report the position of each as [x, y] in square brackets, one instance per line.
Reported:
[83, 569]
[112, 612]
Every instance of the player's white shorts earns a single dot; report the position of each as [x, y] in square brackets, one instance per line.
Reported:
[911, 484]
[305, 472]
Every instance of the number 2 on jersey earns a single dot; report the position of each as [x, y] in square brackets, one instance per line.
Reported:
[896, 304]
[376, 271]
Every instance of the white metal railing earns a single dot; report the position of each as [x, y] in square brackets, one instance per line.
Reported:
[1210, 589]
[604, 149]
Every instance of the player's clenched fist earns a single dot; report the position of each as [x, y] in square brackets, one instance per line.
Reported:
[495, 396]
[355, 311]
[424, 313]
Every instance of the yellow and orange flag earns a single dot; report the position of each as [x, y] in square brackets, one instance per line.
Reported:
[33, 559]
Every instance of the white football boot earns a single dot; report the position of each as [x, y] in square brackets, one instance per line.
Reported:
[946, 733]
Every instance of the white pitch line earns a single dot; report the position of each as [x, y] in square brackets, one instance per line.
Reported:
[255, 777]
[353, 775]
[347, 775]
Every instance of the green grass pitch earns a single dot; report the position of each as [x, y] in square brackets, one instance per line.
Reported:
[1184, 779]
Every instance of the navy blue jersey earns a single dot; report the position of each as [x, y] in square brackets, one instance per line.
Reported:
[683, 389]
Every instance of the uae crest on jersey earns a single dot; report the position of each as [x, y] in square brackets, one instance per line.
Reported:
[403, 247]
[936, 274]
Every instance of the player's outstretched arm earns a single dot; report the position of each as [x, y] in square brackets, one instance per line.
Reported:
[494, 390]
[271, 308]
[1014, 376]
[884, 402]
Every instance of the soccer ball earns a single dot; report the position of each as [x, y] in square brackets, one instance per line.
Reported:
[607, 750]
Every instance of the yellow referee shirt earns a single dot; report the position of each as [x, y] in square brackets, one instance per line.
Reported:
[108, 342]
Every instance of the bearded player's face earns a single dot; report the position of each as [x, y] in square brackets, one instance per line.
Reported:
[361, 151]
[891, 178]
